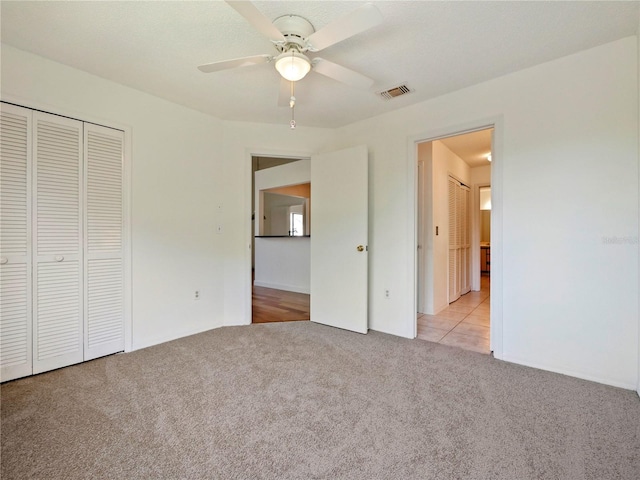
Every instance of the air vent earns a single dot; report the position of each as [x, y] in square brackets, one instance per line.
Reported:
[395, 92]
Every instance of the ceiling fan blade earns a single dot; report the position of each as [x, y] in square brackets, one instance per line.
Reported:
[350, 24]
[235, 63]
[341, 74]
[256, 18]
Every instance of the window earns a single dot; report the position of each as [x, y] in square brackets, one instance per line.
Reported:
[296, 225]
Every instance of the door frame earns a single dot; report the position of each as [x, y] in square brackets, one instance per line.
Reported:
[248, 182]
[497, 123]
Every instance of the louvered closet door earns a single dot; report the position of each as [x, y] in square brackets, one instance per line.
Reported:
[15, 242]
[104, 295]
[57, 242]
[466, 241]
[454, 291]
[459, 238]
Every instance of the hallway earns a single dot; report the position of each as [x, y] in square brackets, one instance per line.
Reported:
[464, 323]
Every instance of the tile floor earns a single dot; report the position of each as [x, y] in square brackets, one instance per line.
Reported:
[464, 323]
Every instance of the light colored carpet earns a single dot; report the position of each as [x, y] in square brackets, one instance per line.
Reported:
[300, 400]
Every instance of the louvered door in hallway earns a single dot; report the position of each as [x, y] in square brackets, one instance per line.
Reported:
[459, 272]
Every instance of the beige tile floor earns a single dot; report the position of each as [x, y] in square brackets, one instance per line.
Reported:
[464, 323]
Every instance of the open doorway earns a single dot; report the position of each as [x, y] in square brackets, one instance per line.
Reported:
[453, 294]
[280, 232]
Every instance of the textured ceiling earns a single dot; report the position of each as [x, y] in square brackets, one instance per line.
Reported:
[435, 47]
[473, 147]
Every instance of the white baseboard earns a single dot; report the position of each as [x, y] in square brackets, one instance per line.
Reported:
[569, 372]
[288, 288]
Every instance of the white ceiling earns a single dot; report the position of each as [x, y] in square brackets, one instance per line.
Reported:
[473, 147]
[435, 47]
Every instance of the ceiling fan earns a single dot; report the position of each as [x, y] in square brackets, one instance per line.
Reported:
[294, 37]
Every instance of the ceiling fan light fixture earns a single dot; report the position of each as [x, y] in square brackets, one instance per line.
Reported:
[292, 65]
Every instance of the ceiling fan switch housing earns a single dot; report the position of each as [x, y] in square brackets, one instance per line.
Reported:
[295, 29]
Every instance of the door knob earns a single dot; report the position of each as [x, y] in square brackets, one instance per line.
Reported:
[4, 260]
[59, 258]
[360, 248]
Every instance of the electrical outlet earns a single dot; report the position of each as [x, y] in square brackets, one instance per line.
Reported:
[387, 294]
[196, 295]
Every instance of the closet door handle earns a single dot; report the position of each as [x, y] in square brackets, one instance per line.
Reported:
[4, 260]
[59, 258]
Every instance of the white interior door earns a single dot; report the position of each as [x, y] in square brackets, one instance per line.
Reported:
[15, 242]
[104, 279]
[339, 227]
[57, 242]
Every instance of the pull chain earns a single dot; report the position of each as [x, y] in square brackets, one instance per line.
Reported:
[292, 104]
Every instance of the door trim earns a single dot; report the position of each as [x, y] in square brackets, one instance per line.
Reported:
[497, 123]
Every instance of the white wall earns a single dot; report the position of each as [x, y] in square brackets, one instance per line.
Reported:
[425, 233]
[190, 173]
[481, 175]
[176, 184]
[439, 163]
[567, 136]
[281, 263]
[284, 263]
[569, 129]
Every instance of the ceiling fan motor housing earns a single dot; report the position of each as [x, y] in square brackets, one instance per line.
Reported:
[295, 30]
